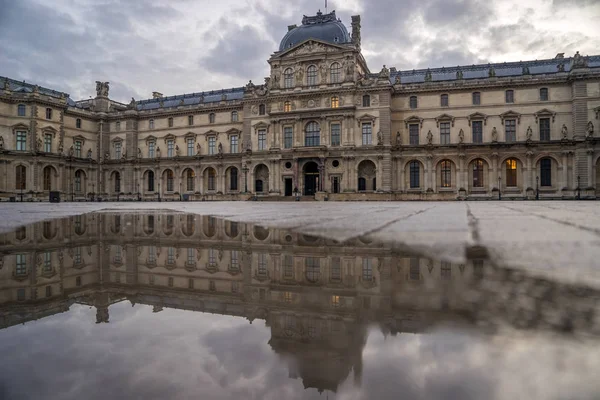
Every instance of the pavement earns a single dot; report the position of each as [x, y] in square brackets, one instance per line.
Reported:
[558, 240]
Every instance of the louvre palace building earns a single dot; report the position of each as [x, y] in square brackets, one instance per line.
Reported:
[323, 124]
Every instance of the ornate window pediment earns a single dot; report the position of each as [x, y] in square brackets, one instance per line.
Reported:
[49, 130]
[261, 125]
[117, 139]
[310, 46]
[444, 118]
[20, 127]
[597, 111]
[151, 139]
[366, 118]
[170, 136]
[233, 131]
[477, 116]
[79, 138]
[544, 113]
[413, 120]
[510, 114]
[190, 135]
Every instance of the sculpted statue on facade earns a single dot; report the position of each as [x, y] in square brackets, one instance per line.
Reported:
[1, 142]
[564, 131]
[529, 134]
[124, 155]
[579, 61]
[590, 129]
[459, 74]
[107, 155]
[561, 67]
[428, 76]
[494, 134]
[139, 153]
[71, 151]
[198, 148]
[177, 150]
[379, 138]
[398, 79]
[348, 66]
[525, 70]
[398, 138]
[38, 143]
[6, 84]
[157, 151]
[61, 146]
[102, 89]
[299, 74]
[220, 148]
[385, 72]
[461, 136]
[89, 154]
[131, 104]
[429, 137]
[323, 68]
[276, 79]
[492, 72]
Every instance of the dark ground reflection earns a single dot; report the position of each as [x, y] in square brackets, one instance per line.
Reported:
[358, 320]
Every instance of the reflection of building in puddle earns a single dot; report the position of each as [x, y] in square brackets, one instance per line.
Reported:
[316, 295]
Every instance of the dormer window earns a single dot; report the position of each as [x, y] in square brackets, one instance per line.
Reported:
[336, 39]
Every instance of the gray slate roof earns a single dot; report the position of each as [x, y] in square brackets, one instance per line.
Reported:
[24, 87]
[191, 99]
[324, 27]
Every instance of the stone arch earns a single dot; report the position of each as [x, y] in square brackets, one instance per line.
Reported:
[445, 173]
[232, 178]
[414, 174]
[188, 227]
[149, 179]
[80, 181]
[537, 159]
[167, 180]
[188, 179]
[367, 175]
[116, 182]
[210, 179]
[404, 165]
[312, 134]
[546, 176]
[511, 172]
[478, 169]
[469, 160]
[49, 178]
[261, 179]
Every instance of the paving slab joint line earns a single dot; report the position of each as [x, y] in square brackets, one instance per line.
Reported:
[567, 223]
[374, 230]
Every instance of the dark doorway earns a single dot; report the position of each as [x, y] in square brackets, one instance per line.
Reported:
[289, 187]
[311, 178]
[335, 185]
[259, 186]
[362, 184]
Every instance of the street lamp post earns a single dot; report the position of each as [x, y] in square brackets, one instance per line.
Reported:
[537, 187]
[499, 187]
[138, 192]
[578, 187]
[245, 171]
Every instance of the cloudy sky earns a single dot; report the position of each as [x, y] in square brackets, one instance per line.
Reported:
[183, 46]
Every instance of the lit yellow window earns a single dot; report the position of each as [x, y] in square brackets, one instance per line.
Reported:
[287, 296]
[335, 301]
[335, 102]
[287, 106]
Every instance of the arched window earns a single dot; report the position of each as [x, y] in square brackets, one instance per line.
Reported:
[335, 101]
[415, 174]
[366, 101]
[546, 172]
[478, 173]
[211, 179]
[311, 76]
[190, 176]
[336, 73]
[413, 102]
[362, 184]
[262, 109]
[287, 106]
[211, 118]
[78, 181]
[233, 179]
[78, 123]
[312, 134]
[47, 178]
[170, 181]
[544, 94]
[446, 170]
[444, 100]
[511, 173]
[151, 181]
[288, 78]
[20, 177]
[234, 116]
[117, 182]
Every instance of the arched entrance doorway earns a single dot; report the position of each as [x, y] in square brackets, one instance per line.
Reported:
[311, 178]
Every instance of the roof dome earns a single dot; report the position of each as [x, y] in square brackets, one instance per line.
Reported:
[324, 27]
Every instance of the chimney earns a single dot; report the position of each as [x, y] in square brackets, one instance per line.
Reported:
[290, 27]
[157, 95]
[356, 30]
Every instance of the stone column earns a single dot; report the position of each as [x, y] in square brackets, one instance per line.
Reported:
[399, 174]
[321, 173]
[528, 173]
[459, 172]
[590, 168]
[428, 173]
[200, 181]
[495, 170]
[565, 171]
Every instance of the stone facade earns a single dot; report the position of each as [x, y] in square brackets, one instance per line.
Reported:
[323, 124]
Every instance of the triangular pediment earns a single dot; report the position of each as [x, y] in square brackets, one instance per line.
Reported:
[170, 136]
[151, 139]
[477, 116]
[510, 114]
[310, 46]
[444, 118]
[544, 113]
[413, 120]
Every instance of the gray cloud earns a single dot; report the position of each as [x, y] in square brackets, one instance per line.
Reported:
[186, 46]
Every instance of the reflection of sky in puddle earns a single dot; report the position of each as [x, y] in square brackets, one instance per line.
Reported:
[362, 319]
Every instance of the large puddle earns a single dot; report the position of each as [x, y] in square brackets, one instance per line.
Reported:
[178, 306]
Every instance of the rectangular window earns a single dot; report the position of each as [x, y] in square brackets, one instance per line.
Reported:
[47, 261]
[544, 129]
[288, 266]
[367, 269]
[118, 126]
[48, 113]
[171, 255]
[77, 256]
[415, 269]
[510, 96]
[510, 130]
[190, 120]
[445, 133]
[170, 282]
[170, 148]
[413, 102]
[367, 133]
[336, 269]
[235, 261]
[151, 124]
[336, 130]
[48, 291]
[151, 255]
[190, 147]
[21, 267]
[48, 143]
[546, 172]
[288, 137]
[415, 175]
[21, 140]
[544, 94]
[117, 258]
[262, 264]
[170, 122]
[21, 110]
[78, 149]
[117, 150]
[413, 133]
[477, 127]
[446, 271]
[476, 98]
[151, 150]
[262, 139]
[212, 142]
[233, 144]
[444, 100]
